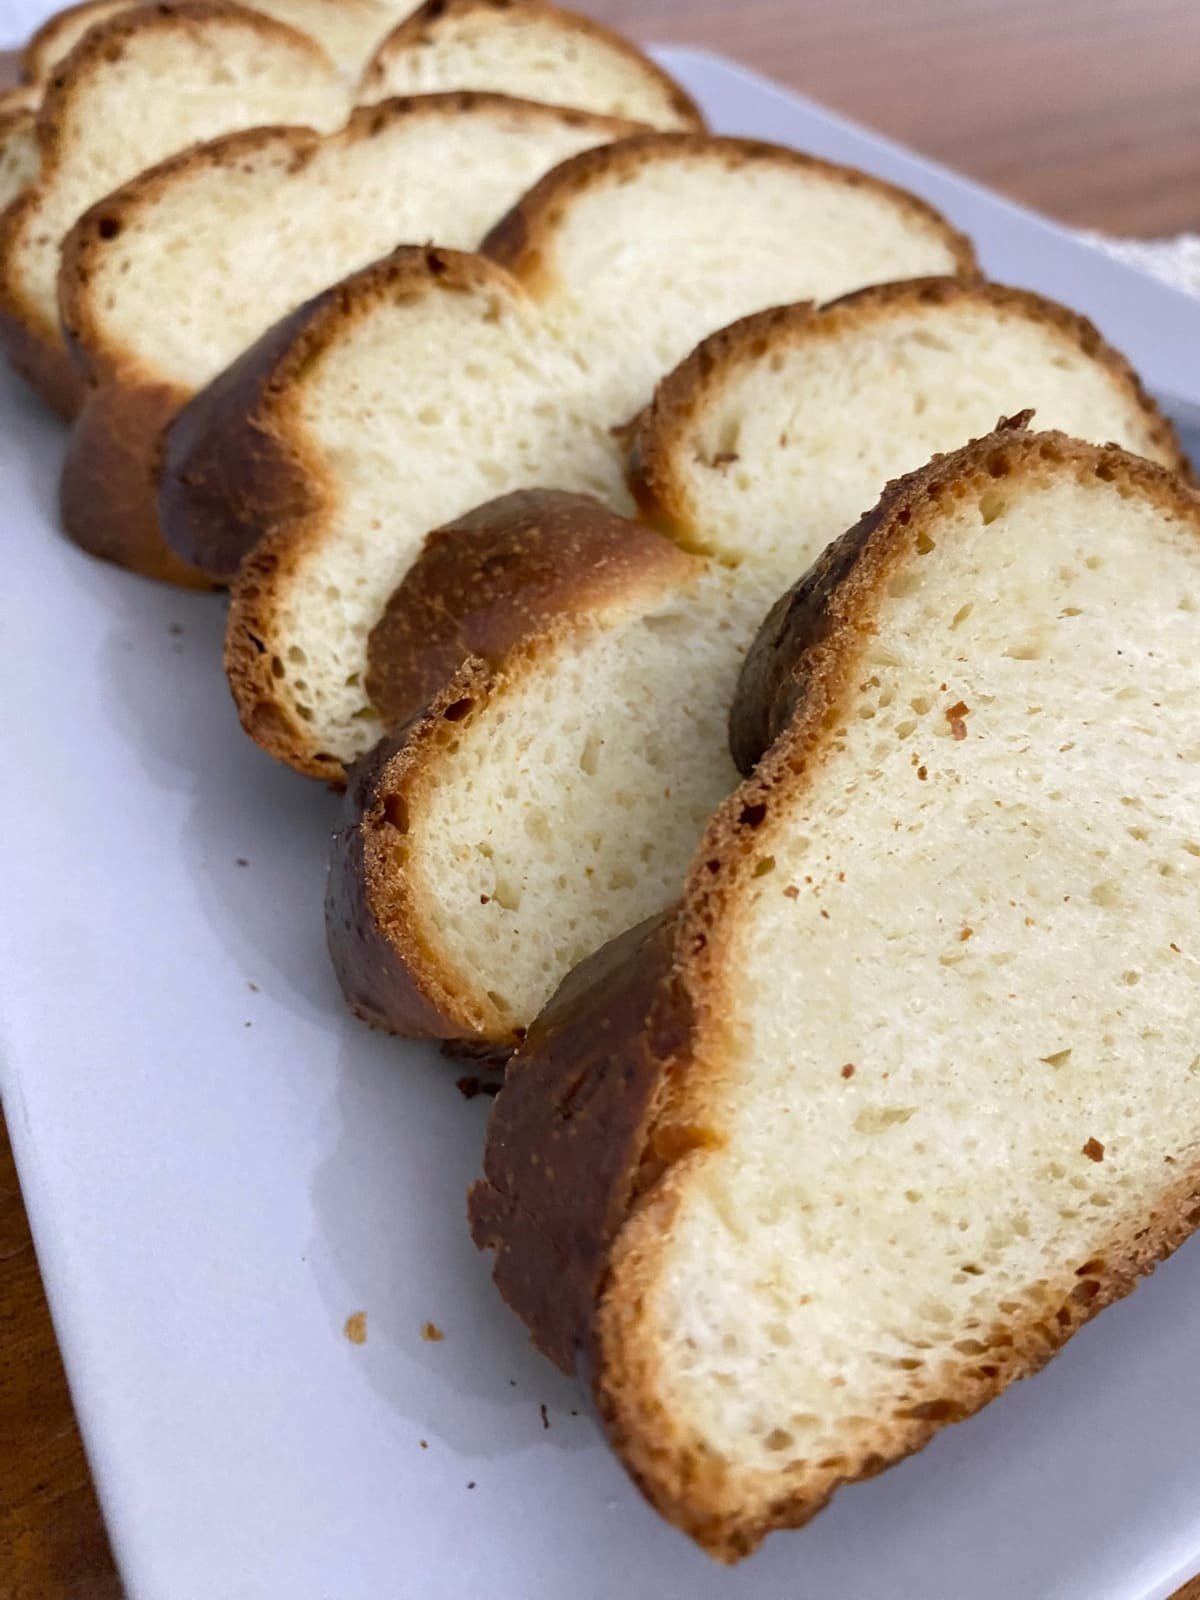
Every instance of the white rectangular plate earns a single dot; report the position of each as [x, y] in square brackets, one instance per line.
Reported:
[221, 1166]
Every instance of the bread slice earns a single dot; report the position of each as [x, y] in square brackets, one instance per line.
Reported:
[906, 1089]
[530, 49]
[18, 141]
[755, 450]
[518, 364]
[194, 70]
[551, 787]
[439, 167]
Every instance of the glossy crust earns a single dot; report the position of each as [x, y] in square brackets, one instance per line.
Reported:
[505, 572]
[531, 563]
[422, 29]
[578, 1194]
[663, 429]
[111, 477]
[519, 240]
[34, 344]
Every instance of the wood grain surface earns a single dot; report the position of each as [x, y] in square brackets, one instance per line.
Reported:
[1086, 109]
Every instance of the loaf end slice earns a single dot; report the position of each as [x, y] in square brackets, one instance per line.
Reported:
[912, 1091]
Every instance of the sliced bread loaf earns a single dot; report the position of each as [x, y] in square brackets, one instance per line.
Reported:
[530, 49]
[18, 141]
[906, 1089]
[441, 167]
[755, 450]
[517, 367]
[193, 70]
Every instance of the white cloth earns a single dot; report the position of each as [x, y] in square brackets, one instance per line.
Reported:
[1175, 261]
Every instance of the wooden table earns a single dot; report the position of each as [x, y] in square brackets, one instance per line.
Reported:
[1088, 109]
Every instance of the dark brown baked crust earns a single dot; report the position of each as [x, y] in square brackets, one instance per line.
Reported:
[108, 493]
[518, 241]
[501, 574]
[423, 27]
[589, 1225]
[657, 432]
[489, 593]
[228, 472]
[573, 1117]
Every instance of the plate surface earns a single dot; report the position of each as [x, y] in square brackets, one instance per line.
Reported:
[221, 1167]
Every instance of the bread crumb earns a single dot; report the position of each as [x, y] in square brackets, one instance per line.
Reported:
[253, 988]
[964, 934]
[1094, 1150]
[791, 892]
[848, 1070]
[545, 1415]
[355, 1327]
[424, 1443]
[431, 1333]
[955, 717]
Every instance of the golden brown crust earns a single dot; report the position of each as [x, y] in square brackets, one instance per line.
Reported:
[388, 980]
[503, 573]
[796, 685]
[43, 50]
[660, 431]
[491, 593]
[518, 241]
[423, 27]
[236, 478]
